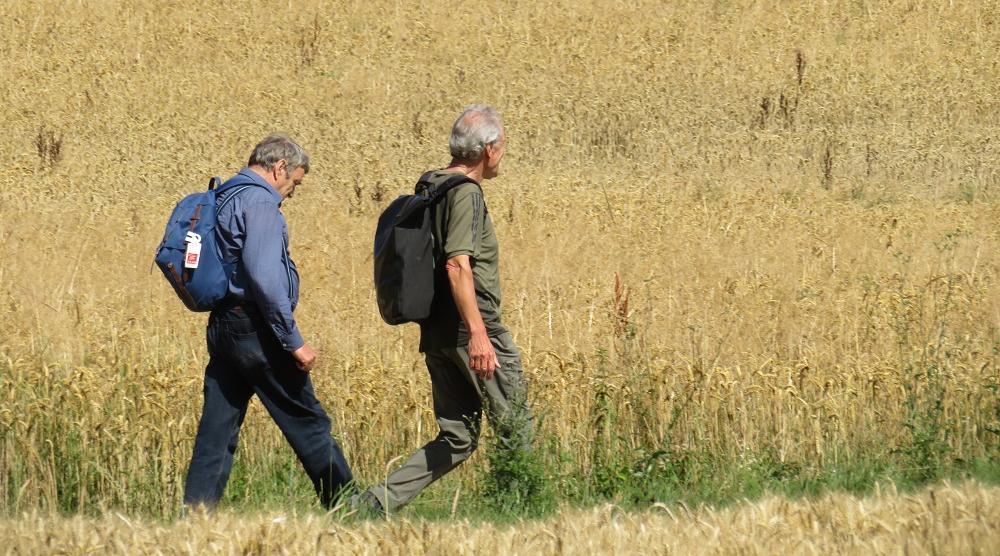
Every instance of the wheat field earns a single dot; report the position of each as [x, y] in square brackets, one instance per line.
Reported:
[742, 243]
[964, 522]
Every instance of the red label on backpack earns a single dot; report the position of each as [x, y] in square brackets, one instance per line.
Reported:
[192, 255]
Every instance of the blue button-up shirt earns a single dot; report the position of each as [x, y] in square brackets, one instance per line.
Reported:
[253, 231]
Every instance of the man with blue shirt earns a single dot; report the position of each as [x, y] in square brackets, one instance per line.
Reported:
[254, 344]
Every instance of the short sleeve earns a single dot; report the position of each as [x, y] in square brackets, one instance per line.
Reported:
[463, 230]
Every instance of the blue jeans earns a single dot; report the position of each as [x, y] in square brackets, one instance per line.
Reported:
[246, 359]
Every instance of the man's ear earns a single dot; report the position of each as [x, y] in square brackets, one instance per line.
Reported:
[279, 168]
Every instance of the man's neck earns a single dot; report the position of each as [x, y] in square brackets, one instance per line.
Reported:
[264, 174]
[474, 171]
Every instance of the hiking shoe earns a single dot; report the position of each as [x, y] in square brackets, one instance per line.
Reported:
[366, 506]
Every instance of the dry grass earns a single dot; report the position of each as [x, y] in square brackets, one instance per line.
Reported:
[941, 520]
[798, 204]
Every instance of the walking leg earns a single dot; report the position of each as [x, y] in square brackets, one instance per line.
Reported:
[225, 406]
[288, 395]
[458, 410]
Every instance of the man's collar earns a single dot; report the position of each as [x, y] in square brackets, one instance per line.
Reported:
[255, 177]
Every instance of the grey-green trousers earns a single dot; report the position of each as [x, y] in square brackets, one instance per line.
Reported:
[459, 399]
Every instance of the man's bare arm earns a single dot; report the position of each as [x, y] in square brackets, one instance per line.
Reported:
[482, 357]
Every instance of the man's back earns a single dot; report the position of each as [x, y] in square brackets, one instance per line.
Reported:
[252, 231]
[462, 226]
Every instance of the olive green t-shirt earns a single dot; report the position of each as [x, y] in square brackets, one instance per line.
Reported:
[462, 226]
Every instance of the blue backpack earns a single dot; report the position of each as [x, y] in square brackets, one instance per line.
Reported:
[189, 256]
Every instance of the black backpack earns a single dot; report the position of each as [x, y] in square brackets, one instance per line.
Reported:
[405, 253]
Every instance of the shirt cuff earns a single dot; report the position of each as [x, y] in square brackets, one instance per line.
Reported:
[293, 341]
[458, 252]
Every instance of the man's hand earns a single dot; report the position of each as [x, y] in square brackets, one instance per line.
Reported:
[482, 357]
[305, 358]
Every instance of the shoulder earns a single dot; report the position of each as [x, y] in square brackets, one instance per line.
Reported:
[253, 194]
[248, 204]
[253, 200]
[465, 193]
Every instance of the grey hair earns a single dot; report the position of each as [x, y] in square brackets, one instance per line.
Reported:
[279, 146]
[478, 126]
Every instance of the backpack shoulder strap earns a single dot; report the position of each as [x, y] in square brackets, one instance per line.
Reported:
[447, 185]
[231, 192]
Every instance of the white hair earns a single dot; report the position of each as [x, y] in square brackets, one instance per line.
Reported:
[478, 126]
[279, 146]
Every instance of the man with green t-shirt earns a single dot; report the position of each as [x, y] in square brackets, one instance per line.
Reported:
[472, 359]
